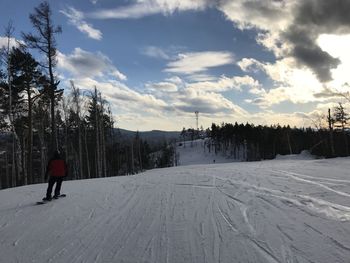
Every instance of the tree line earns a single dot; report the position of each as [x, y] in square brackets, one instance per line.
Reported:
[251, 143]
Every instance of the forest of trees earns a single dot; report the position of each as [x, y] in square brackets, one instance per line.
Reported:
[265, 142]
[328, 138]
[39, 116]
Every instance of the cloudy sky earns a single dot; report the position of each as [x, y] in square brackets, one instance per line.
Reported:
[159, 61]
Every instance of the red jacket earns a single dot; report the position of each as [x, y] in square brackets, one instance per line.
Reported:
[57, 167]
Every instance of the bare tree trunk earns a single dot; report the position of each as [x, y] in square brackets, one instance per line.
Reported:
[87, 154]
[330, 125]
[13, 166]
[102, 138]
[289, 145]
[1, 175]
[80, 152]
[7, 170]
[97, 133]
[104, 159]
[102, 145]
[30, 139]
[97, 136]
[345, 141]
[16, 149]
[43, 153]
[140, 156]
[24, 179]
[77, 102]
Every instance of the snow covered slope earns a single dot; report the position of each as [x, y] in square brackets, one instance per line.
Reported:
[272, 211]
[194, 152]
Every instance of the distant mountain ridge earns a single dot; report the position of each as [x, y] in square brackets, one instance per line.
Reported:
[151, 136]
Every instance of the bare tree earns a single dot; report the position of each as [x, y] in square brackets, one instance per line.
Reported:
[16, 145]
[330, 127]
[76, 95]
[102, 137]
[44, 41]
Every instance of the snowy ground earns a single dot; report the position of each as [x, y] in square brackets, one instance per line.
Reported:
[271, 211]
[194, 152]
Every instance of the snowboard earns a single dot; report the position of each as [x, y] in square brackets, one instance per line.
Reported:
[44, 202]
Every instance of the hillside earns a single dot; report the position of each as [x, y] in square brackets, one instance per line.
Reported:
[196, 152]
[154, 136]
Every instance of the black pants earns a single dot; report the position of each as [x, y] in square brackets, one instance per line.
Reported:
[52, 180]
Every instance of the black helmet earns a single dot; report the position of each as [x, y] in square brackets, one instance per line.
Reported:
[57, 154]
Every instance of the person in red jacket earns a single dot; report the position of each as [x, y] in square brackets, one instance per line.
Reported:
[56, 170]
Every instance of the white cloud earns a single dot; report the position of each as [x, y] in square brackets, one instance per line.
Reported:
[263, 14]
[250, 65]
[272, 97]
[290, 83]
[143, 8]
[163, 86]
[13, 42]
[298, 119]
[175, 79]
[82, 64]
[172, 106]
[155, 52]
[76, 18]
[224, 83]
[122, 97]
[200, 77]
[197, 62]
[338, 47]
[184, 98]
[191, 100]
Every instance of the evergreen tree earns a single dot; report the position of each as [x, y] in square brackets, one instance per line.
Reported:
[341, 118]
[28, 81]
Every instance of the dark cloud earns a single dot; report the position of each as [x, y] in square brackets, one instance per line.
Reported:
[311, 19]
[330, 15]
[327, 94]
[208, 103]
[261, 8]
[203, 108]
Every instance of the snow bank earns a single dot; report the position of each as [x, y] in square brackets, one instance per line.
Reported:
[304, 155]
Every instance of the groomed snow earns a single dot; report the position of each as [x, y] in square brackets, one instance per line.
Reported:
[271, 211]
[195, 152]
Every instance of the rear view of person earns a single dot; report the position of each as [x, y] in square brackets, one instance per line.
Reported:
[56, 170]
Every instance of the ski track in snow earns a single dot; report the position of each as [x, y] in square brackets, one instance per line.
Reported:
[264, 212]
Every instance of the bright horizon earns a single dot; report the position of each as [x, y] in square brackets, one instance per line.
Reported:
[158, 61]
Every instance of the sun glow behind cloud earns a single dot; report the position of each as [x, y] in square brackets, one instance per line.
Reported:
[338, 46]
